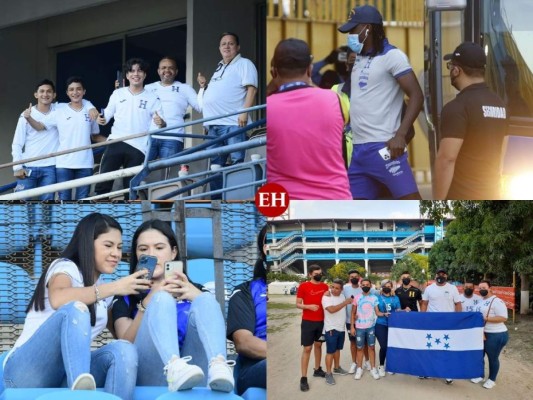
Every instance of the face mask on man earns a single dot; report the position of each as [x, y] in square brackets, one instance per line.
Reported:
[366, 289]
[483, 292]
[406, 281]
[354, 281]
[469, 292]
[355, 44]
[441, 279]
[317, 277]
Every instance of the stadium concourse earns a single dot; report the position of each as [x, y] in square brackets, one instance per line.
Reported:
[284, 354]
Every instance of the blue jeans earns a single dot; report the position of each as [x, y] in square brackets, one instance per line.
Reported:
[68, 174]
[494, 344]
[60, 350]
[252, 376]
[164, 148]
[220, 130]
[157, 338]
[40, 176]
[365, 337]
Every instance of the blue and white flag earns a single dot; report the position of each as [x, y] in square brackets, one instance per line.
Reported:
[436, 344]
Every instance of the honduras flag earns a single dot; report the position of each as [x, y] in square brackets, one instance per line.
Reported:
[436, 344]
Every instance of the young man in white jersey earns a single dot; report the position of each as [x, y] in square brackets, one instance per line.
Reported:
[470, 302]
[135, 110]
[29, 143]
[176, 97]
[75, 129]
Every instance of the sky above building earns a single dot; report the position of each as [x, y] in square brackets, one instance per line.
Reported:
[325, 209]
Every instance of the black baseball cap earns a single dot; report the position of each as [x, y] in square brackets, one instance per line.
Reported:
[441, 271]
[468, 54]
[362, 15]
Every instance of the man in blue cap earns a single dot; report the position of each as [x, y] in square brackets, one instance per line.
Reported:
[380, 78]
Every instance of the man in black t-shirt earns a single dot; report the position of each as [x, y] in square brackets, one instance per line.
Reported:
[473, 127]
[409, 296]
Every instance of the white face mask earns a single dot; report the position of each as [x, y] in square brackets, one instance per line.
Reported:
[354, 44]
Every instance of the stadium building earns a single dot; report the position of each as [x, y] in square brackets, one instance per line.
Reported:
[376, 244]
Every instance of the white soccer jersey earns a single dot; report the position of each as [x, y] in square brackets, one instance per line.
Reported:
[28, 143]
[75, 129]
[376, 97]
[175, 99]
[133, 114]
[226, 91]
[471, 304]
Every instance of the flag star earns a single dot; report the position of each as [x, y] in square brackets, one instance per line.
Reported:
[428, 344]
[428, 336]
[446, 337]
[446, 345]
[437, 341]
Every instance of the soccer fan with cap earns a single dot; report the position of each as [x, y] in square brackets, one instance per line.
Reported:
[473, 127]
[304, 130]
[380, 78]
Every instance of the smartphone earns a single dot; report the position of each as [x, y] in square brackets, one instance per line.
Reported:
[147, 262]
[171, 267]
[385, 153]
[342, 56]
[120, 79]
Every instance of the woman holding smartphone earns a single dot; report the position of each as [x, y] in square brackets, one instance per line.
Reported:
[174, 323]
[68, 310]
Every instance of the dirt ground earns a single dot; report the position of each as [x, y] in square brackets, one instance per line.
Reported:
[515, 379]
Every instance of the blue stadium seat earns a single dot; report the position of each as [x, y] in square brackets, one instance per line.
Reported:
[16, 289]
[245, 174]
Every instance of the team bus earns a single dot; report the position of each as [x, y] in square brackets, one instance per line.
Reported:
[504, 29]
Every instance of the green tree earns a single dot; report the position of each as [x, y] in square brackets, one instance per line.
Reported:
[340, 270]
[492, 238]
[283, 277]
[415, 264]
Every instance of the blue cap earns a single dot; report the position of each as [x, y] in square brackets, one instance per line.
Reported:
[362, 15]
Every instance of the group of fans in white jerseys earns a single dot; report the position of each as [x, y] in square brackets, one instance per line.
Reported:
[50, 127]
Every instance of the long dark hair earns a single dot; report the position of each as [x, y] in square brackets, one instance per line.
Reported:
[80, 250]
[260, 270]
[378, 36]
[158, 225]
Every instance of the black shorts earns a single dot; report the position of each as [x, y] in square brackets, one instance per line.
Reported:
[350, 337]
[311, 331]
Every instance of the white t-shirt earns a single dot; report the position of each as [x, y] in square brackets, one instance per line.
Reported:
[498, 309]
[75, 129]
[441, 298]
[227, 90]
[333, 320]
[29, 143]
[133, 114]
[34, 319]
[175, 99]
[471, 304]
[376, 97]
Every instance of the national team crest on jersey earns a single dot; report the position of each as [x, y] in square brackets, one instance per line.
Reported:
[142, 104]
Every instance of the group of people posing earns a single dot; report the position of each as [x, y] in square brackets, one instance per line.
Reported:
[170, 330]
[353, 139]
[49, 127]
[359, 309]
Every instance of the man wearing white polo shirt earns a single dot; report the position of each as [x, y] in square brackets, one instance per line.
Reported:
[175, 98]
[135, 110]
[232, 87]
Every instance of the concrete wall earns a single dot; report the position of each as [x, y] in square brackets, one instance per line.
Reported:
[28, 49]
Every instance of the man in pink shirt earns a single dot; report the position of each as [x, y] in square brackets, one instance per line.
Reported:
[304, 130]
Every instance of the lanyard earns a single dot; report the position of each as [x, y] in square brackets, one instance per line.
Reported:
[292, 86]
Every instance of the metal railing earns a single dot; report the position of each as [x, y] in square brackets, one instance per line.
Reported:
[147, 166]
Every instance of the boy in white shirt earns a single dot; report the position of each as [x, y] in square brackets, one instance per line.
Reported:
[135, 110]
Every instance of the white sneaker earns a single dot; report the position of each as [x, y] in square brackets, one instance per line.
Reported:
[366, 364]
[353, 368]
[381, 371]
[476, 380]
[374, 373]
[358, 374]
[489, 384]
[220, 374]
[84, 382]
[182, 376]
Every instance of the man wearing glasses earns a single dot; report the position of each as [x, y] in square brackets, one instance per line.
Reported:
[473, 127]
[232, 87]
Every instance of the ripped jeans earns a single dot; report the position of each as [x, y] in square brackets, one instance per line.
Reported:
[60, 350]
